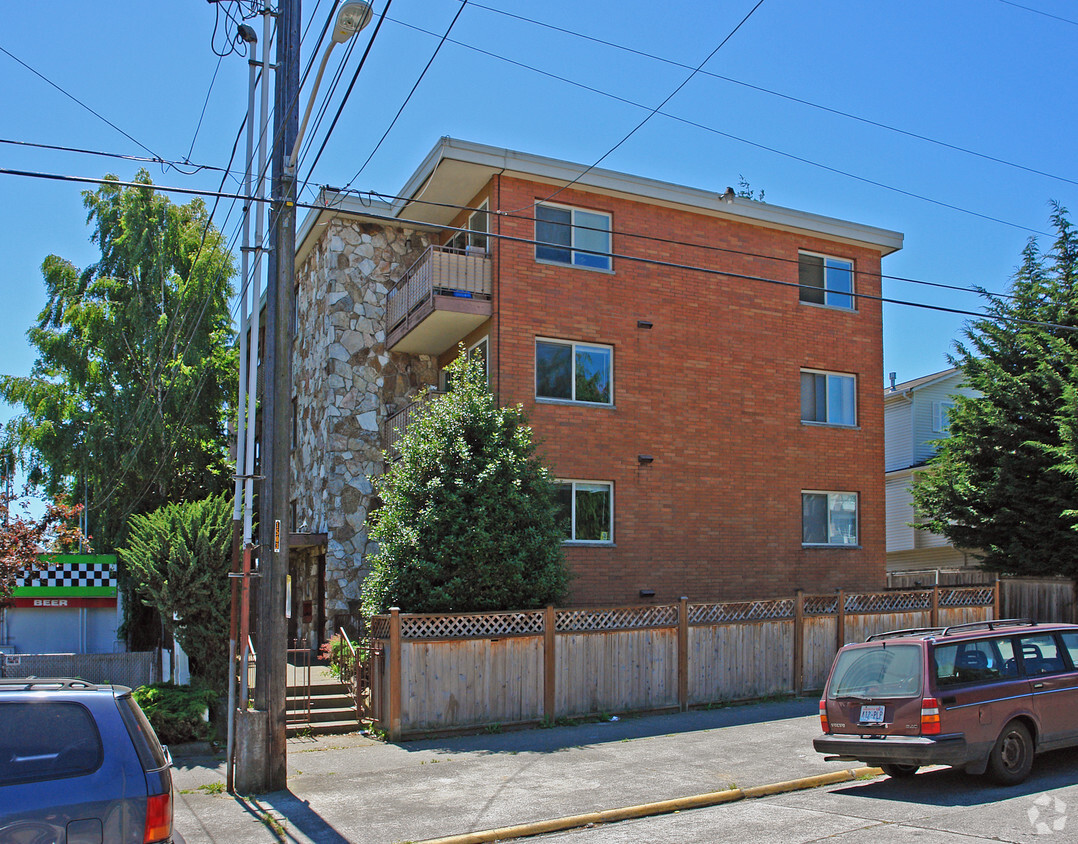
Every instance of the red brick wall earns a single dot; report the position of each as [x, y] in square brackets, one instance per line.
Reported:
[711, 391]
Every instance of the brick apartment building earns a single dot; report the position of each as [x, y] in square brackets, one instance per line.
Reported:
[701, 370]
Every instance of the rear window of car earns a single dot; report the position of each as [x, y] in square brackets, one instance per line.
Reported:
[879, 671]
[974, 661]
[150, 753]
[47, 740]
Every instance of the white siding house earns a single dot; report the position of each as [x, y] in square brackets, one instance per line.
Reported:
[915, 415]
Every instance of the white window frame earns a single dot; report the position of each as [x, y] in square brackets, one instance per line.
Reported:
[941, 411]
[827, 292]
[574, 345]
[828, 422]
[443, 384]
[829, 543]
[470, 239]
[572, 540]
[572, 247]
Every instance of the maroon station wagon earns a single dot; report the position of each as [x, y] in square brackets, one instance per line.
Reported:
[984, 697]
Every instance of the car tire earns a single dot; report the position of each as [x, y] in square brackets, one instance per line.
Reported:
[898, 772]
[1012, 756]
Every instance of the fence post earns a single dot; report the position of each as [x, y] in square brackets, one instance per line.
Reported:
[394, 673]
[934, 619]
[549, 676]
[683, 653]
[995, 598]
[799, 642]
[840, 620]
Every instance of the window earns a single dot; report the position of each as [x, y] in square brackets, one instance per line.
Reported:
[577, 372]
[825, 281]
[829, 398]
[977, 661]
[1041, 655]
[474, 238]
[586, 510]
[829, 518]
[571, 236]
[47, 740]
[941, 416]
[480, 351]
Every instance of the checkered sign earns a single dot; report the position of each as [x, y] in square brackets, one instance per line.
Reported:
[71, 575]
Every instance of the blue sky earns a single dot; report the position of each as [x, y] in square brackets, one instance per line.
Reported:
[988, 76]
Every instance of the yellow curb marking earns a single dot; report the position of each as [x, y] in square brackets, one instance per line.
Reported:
[662, 807]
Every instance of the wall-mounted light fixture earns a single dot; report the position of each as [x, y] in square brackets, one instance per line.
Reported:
[643, 323]
[647, 593]
[644, 459]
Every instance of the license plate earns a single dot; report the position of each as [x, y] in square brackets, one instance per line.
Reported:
[871, 715]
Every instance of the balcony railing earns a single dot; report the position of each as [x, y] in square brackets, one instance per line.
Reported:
[443, 297]
[397, 425]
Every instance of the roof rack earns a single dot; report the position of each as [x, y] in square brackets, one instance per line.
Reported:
[53, 683]
[989, 625]
[910, 631]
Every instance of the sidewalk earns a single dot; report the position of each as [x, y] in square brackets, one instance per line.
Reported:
[357, 790]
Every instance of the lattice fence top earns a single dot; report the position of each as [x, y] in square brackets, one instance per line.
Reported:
[626, 618]
[969, 596]
[741, 611]
[911, 601]
[380, 627]
[820, 604]
[477, 626]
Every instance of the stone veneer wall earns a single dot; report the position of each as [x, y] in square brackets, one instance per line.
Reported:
[346, 385]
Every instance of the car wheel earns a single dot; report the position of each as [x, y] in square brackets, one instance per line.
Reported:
[897, 772]
[1012, 757]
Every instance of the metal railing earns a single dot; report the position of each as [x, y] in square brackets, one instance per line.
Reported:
[443, 271]
[397, 424]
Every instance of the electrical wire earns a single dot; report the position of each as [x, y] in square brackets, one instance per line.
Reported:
[348, 92]
[1039, 12]
[408, 98]
[76, 100]
[789, 97]
[164, 162]
[205, 103]
[652, 112]
[746, 141]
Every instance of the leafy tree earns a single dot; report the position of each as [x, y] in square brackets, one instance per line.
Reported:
[469, 520]
[180, 555]
[1005, 482]
[125, 405]
[23, 538]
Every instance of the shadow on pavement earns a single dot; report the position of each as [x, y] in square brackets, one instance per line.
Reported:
[294, 814]
[558, 738]
[951, 787]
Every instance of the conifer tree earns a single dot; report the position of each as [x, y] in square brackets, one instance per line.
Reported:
[1004, 483]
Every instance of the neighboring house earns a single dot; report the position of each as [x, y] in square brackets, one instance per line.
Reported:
[71, 606]
[699, 370]
[915, 414]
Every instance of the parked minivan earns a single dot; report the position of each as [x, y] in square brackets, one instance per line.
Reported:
[984, 697]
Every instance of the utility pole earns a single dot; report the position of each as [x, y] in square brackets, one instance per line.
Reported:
[271, 662]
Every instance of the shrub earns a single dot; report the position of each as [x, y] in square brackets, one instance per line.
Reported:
[177, 713]
[341, 661]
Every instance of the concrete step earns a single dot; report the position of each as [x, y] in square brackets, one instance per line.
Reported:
[320, 715]
[321, 702]
[323, 728]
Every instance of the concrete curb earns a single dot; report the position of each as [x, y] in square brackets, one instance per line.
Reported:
[662, 807]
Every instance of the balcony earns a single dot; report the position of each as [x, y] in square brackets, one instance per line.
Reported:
[439, 301]
[397, 425]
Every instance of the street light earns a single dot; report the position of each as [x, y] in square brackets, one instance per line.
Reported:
[351, 18]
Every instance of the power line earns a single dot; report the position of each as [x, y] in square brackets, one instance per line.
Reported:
[205, 103]
[773, 93]
[408, 98]
[75, 99]
[1039, 12]
[348, 92]
[733, 137]
[652, 112]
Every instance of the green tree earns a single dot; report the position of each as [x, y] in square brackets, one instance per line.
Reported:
[125, 405]
[1005, 482]
[179, 556]
[469, 519]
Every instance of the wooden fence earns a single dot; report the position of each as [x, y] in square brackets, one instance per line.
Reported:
[447, 672]
[1037, 598]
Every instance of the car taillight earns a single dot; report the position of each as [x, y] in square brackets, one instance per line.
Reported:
[823, 717]
[158, 818]
[930, 717]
